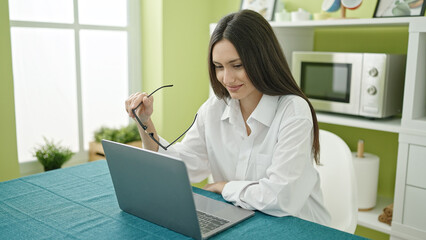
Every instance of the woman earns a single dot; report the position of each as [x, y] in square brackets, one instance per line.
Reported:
[258, 136]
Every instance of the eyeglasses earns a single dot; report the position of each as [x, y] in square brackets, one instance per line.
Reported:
[144, 127]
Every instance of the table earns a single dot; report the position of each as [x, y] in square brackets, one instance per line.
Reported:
[79, 203]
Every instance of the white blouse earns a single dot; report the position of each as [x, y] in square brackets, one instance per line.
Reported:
[271, 170]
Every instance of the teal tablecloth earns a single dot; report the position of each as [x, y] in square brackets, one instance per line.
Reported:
[79, 203]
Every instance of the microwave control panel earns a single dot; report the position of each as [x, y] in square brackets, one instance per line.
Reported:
[382, 85]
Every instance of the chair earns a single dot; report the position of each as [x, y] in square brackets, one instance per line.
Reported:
[338, 182]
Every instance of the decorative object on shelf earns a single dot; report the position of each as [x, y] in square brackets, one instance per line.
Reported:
[386, 216]
[128, 135]
[399, 8]
[330, 5]
[300, 15]
[334, 5]
[265, 7]
[351, 5]
[281, 14]
[366, 167]
[52, 155]
[321, 16]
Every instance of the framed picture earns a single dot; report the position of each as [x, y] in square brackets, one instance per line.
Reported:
[399, 8]
[266, 8]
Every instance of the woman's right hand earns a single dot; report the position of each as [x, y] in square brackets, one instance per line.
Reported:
[145, 110]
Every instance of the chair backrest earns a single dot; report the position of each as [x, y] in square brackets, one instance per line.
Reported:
[338, 181]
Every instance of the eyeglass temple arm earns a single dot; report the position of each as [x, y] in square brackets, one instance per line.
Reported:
[134, 109]
[165, 148]
[157, 142]
[170, 85]
[152, 134]
[139, 121]
[195, 118]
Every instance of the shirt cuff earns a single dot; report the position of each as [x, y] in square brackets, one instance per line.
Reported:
[233, 191]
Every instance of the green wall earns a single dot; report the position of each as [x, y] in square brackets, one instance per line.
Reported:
[9, 167]
[152, 52]
[185, 39]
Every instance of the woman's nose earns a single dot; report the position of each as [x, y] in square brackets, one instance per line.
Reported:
[228, 76]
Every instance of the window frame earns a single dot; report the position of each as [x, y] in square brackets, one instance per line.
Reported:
[134, 68]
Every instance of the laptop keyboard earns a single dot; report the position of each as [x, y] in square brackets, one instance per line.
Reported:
[209, 222]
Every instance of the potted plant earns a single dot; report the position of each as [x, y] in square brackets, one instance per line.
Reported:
[52, 155]
[128, 135]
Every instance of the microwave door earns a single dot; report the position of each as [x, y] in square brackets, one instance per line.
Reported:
[332, 85]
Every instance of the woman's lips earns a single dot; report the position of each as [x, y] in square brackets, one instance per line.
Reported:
[234, 88]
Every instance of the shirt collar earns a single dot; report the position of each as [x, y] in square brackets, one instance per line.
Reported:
[231, 110]
[263, 113]
[265, 110]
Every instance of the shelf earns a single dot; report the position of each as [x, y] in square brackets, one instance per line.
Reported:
[349, 22]
[370, 220]
[386, 125]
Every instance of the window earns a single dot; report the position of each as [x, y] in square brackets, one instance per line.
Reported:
[74, 64]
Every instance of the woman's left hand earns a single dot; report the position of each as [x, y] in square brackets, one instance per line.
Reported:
[216, 187]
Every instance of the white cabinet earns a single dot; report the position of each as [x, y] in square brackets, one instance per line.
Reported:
[409, 220]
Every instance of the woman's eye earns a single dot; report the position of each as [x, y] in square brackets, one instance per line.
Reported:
[238, 65]
[218, 67]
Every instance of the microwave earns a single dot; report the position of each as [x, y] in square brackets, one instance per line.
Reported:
[362, 84]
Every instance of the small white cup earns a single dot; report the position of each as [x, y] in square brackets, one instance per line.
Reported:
[300, 15]
[282, 16]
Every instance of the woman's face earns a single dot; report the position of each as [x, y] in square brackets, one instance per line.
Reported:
[231, 73]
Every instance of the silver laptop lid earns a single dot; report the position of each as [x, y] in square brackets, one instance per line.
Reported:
[152, 186]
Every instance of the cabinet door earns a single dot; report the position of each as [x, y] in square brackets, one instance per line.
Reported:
[415, 208]
[416, 166]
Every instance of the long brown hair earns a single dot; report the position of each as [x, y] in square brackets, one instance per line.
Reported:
[262, 58]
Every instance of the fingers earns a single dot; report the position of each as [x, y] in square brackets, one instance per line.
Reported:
[148, 104]
[128, 104]
[142, 102]
[132, 102]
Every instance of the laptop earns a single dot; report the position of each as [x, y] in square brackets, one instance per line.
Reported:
[156, 187]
